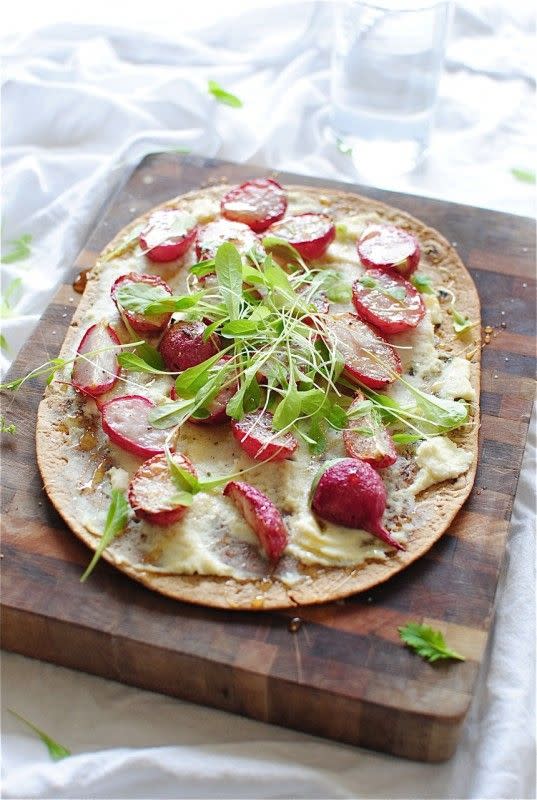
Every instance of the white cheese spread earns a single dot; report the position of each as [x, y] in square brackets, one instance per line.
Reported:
[439, 459]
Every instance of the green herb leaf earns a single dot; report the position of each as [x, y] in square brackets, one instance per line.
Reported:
[406, 438]
[5, 427]
[171, 413]
[460, 322]
[284, 249]
[116, 521]
[9, 297]
[150, 355]
[190, 381]
[142, 298]
[422, 282]
[185, 481]
[131, 361]
[368, 282]
[397, 293]
[228, 268]
[56, 751]
[203, 268]
[288, 409]
[182, 223]
[427, 642]
[336, 417]
[336, 288]
[524, 175]
[240, 327]
[4, 344]
[128, 242]
[20, 249]
[222, 96]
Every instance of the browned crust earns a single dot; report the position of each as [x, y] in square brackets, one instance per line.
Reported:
[323, 584]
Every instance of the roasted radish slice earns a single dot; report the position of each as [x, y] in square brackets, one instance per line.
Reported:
[310, 234]
[366, 437]
[125, 422]
[387, 300]
[167, 235]
[97, 373]
[261, 515]
[152, 491]
[388, 247]
[256, 203]
[216, 233]
[350, 493]
[142, 323]
[255, 435]
[183, 345]
[368, 357]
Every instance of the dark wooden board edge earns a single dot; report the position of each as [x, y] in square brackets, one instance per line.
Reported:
[373, 731]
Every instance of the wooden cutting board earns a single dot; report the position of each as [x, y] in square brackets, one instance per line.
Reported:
[343, 673]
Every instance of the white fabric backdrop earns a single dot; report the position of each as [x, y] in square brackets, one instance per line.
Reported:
[80, 102]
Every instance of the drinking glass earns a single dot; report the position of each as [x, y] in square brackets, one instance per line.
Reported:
[387, 60]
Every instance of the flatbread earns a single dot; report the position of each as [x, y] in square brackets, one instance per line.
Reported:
[71, 466]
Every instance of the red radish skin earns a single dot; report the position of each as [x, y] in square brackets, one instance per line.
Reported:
[376, 306]
[254, 432]
[140, 322]
[261, 515]
[152, 489]
[125, 422]
[352, 494]
[368, 357]
[168, 249]
[389, 247]
[211, 236]
[99, 375]
[183, 345]
[378, 449]
[256, 203]
[310, 234]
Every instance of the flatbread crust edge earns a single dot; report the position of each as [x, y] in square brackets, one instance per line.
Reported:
[323, 584]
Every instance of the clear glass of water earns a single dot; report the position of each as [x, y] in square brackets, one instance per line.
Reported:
[387, 60]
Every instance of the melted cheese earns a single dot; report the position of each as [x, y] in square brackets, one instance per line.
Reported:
[454, 383]
[440, 460]
[433, 307]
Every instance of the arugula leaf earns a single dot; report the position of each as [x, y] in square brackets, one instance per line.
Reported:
[142, 298]
[5, 427]
[203, 268]
[20, 251]
[460, 322]
[422, 282]
[285, 249]
[191, 380]
[288, 409]
[222, 96]
[150, 355]
[56, 751]
[427, 642]
[336, 417]
[240, 327]
[524, 175]
[115, 523]
[171, 413]
[131, 361]
[406, 438]
[246, 395]
[228, 268]
[8, 298]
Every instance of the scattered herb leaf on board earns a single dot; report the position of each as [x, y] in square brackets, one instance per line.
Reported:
[56, 751]
[222, 96]
[427, 643]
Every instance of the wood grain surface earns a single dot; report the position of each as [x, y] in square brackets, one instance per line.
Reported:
[344, 673]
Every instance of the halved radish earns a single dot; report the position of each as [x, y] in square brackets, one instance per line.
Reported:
[387, 300]
[255, 435]
[261, 515]
[142, 323]
[125, 421]
[211, 236]
[152, 490]
[366, 438]
[167, 235]
[321, 305]
[368, 357]
[183, 345]
[257, 203]
[97, 373]
[389, 247]
[310, 234]
[350, 493]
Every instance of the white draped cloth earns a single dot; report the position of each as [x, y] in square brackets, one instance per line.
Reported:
[82, 101]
